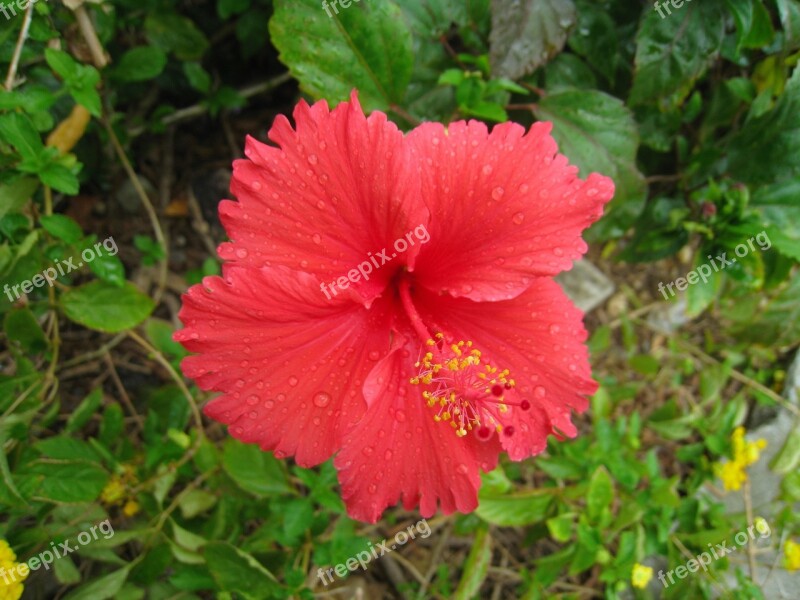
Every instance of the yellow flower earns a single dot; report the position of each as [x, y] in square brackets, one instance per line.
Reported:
[12, 574]
[732, 475]
[131, 508]
[114, 492]
[745, 453]
[641, 576]
[792, 551]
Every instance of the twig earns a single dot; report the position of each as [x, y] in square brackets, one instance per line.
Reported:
[437, 553]
[748, 508]
[126, 400]
[177, 378]
[197, 110]
[148, 206]
[23, 35]
[99, 57]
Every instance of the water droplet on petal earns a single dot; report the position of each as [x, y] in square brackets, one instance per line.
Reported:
[539, 391]
[372, 488]
[374, 355]
[322, 399]
[487, 169]
[367, 451]
[387, 455]
[293, 381]
[400, 416]
[312, 159]
[554, 329]
[316, 238]
[462, 468]
[252, 400]
[497, 193]
[241, 253]
[523, 188]
[518, 218]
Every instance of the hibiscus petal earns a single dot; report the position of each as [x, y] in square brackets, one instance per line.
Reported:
[398, 451]
[290, 363]
[507, 207]
[539, 337]
[335, 191]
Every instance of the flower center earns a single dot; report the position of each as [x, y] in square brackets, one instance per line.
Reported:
[464, 391]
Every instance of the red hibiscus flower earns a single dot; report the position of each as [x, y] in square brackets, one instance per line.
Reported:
[456, 344]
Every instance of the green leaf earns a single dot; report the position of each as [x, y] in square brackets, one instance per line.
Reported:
[16, 194]
[254, 470]
[198, 77]
[109, 268]
[672, 53]
[62, 227]
[68, 481]
[62, 63]
[599, 134]
[140, 64]
[107, 586]
[21, 326]
[477, 565]
[160, 333]
[512, 510]
[526, 35]
[195, 502]
[174, 33]
[60, 178]
[228, 8]
[17, 129]
[600, 494]
[365, 47]
[765, 150]
[239, 573]
[561, 527]
[104, 307]
[788, 459]
[85, 410]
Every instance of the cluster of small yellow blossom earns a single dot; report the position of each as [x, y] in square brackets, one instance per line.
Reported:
[641, 576]
[116, 492]
[10, 588]
[791, 551]
[745, 453]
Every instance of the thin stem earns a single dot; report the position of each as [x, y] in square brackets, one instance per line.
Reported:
[151, 212]
[23, 35]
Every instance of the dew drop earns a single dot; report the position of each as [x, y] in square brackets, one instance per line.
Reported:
[252, 400]
[554, 329]
[321, 205]
[312, 159]
[269, 404]
[374, 355]
[387, 455]
[462, 468]
[518, 218]
[256, 185]
[316, 238]
[524, 188]
[241, 253]
[367, 451]
[322, 399]
[487, 169]
[293, 381]
[539, 391]
[372, 488]
[400, 416]
[497, 193]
